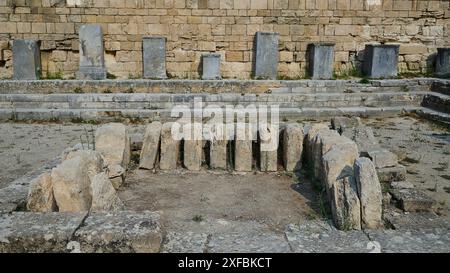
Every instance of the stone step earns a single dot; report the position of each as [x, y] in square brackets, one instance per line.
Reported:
[209, 86]
[108, 232]
[105, 115]
[437, 102]
[433, 115]
[166, 101]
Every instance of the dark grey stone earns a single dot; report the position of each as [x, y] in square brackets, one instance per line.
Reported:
[412, 200]
[120, 232]
[321, 58]
[38, 232]
[443, 62]
[26, 60]
[266, 55]
[381, 61]
[92, 59]
[211, 66]
[154, 57]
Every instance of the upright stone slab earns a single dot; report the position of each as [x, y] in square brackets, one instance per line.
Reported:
[150, 146]
[321, 58]
[269, 148]
[26, 60]
[154, 57]
[211, 67]
[92, 59]
[243, 150]
[266, 55]
[193, 147]
[169, 148]
[381, 61]
[443, 62]
[292, 147]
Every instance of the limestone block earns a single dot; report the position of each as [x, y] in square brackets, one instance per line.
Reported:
[104, 196]
[345, 204]
[154, 57]
[269, 140]
[150, 146]
[40, 195]
[193, 148]
[266, 55]
[113, 142]
[369, 192]
[169, 148]
[292, 147]
[321, 59]
[443, 62]
[211, 67]
[26, 60]
[92, 59]
[381, 61]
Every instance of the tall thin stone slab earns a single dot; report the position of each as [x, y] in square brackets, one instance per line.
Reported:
[154, 57]
[381, 61]
[266, 55]
[211, 67]
[321, 58]
[26, 60]
[443, 62]
[92, 59]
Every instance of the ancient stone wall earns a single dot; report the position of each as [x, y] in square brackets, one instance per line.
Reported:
[228, 27]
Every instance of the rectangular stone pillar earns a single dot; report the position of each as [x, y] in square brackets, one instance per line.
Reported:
[92, 59]
[381, 61]
[243, 149]
[266, 55]
[443, 62]
[292, 147]
[268, 148]
[170, 148]
[321, 58]
[211, 67]
[26, 60]
[154, 57]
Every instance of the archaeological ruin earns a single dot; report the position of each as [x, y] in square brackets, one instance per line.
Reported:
[221, 126]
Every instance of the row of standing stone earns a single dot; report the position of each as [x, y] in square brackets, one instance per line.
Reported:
[381, 61]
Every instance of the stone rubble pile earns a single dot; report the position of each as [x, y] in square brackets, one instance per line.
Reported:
[86, 180]
[386, 164]
[349, 181]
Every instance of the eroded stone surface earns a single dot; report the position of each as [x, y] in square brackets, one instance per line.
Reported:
[170, 148]
[412, 200]
[389, 174]
[345, 204]
[104, 196]
[369, 193]
[189, 242]
[37, 232]
[123, 231]
[150, 146]
[383, 158]
[40, 195]
[292, 147]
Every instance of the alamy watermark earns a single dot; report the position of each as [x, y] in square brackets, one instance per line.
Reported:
[229, 122]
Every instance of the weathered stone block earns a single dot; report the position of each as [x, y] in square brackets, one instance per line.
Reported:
[150, 146]
[381, 61]
[389, 174]
[364, 138]
[154, 57]
[169, 148]
[269, 148]
[443, 62]
[292, 147]
[104, 196]
[413, 200]
[92, 60]
[383, 158]
[120, 232]
[266, 55]
[38, 232]
[26, 60]
[113, 142]
[243, 152]
[345, 204]
[211, 67]
[40, 196]
[321, 59]
[193, 147]
[369, 193]
[341, 124]
[71, 185]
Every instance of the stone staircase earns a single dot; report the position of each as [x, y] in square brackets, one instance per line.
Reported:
[153, 100]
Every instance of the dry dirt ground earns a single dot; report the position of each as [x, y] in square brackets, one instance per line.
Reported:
[186, 198]
[424, 148]
[25, 147]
